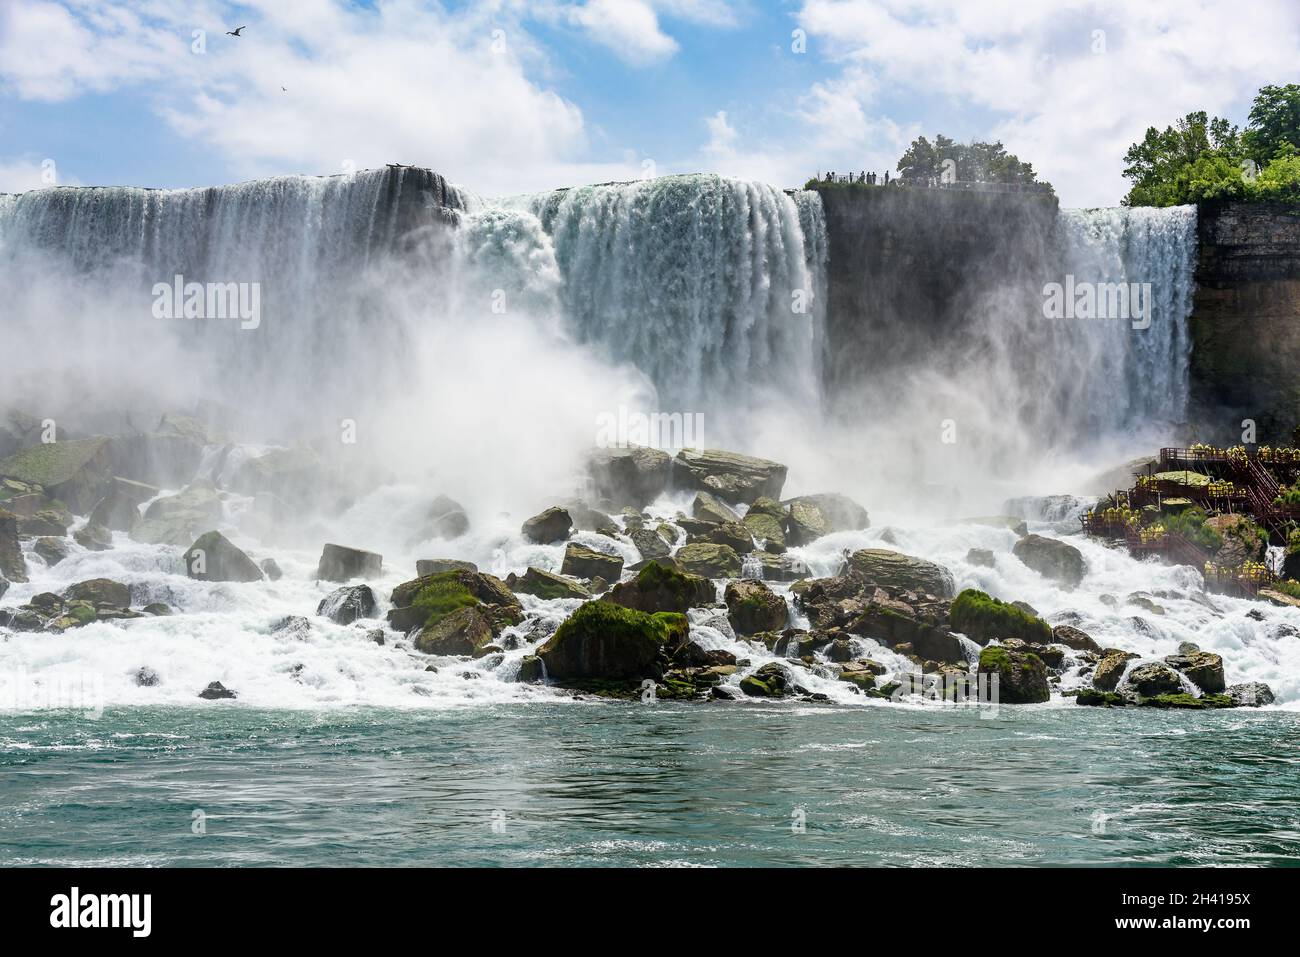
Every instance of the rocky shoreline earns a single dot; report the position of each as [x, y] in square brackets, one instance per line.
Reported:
[629, 629]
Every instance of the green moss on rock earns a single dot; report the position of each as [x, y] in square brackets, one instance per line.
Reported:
[982, 618]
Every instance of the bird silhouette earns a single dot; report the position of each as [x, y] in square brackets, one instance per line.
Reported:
[236, 32]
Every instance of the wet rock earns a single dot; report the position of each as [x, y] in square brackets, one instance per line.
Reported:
[731, 476]
[660, 587]
[753, 607]
[146, 677]
[96, 538]
[650, 543]
[158, 609]
[345, 605]
[765, 520]
[530, 669]
[1202, 667]
[119, 509]
[732, 534]
[447, 518]
[634, 475]
[708, 508]
[216, 691]
[1051, 558]
[177, 519]
[51, 550]
[1251, 694]
[894, 570]
[982, 618]
[376, 636]
[292, 474]
[74, 471]
[100, 592]
[214, 558]
[1154, 679]
[53, 521]
[1145, 602]
[602, 640]
[338, 563]
[1074, 639]
[1111, 668]
[461, 632]
[271, 569]
[291, 626]
[583, 562]
[1021, 675]
[546, 585]
[424, 601]
[585, 518]
[75, 614]
[809, 517]
[709, 560]
[435, 566]
[980, 557]
[1093, 698]
[13, 566]
[775, 568]
[549, 526]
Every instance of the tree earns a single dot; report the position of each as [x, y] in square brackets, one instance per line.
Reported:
[1165, 164]
[970, 162]
[1274, 123]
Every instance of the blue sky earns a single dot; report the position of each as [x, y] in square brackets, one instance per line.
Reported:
[506, 96]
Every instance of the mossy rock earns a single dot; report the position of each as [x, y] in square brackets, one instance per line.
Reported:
[752, 607]
[462, 631]
[214, 558]
[1185, 700]
[546, 585]
[1099, 699]
[583, 562]
[981, 618]
[658, 587]
[1022, 676]
[767, 527]
[75, 470]
[709, 560]
[603, 640]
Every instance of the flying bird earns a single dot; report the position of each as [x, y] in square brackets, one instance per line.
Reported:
[236, 32]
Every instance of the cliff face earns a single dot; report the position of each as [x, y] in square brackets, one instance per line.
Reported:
[1245, 323]
[909, 268]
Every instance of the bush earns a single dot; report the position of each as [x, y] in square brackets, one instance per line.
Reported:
[1190, 523]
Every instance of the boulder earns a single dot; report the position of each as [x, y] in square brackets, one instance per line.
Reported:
[338, 563]
[1091, 697]
[980, 557]
[425, 600]
[1052, 559]
[585, 518]
[292, 474]
[271, 569]
[732, 534]
[94, 538]
[434, 566]
[546, 585]
[1074, 639]
[530, 669]
[146, 677]
[74, 471]
[602, 640]
[1021, 675]
[1111, 668]
[659, 587]
[549, 526]
[460, 632]
[4, 585]
[765, 520]
[53, 521]
[809, 517]
[176, 519]
[894, 570]
[165, 457]
[214, 558]
[158, 609]
[583, 562]
[982, 618]
[216, 691]
[345, 605]
[13, 566]
[709, 560]
[1154, 678]
[707, 508]
[1204, 668]
[634, 475]
[777, 568]
[733, 477]
[100, 592]
[650, 543]
[447, 518]
[753, 607]
[119, 509]
[1251, 694]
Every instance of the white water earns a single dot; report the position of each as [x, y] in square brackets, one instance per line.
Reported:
[673, 294]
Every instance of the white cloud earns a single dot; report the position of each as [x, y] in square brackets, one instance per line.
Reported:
[21, 174]
[1067, 109]
[628, 27]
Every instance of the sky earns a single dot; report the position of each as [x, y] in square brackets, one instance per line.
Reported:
[503, 96]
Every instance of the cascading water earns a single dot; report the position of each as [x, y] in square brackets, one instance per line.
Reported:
[712, 287]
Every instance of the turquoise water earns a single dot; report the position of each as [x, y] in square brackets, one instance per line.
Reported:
[663, 784]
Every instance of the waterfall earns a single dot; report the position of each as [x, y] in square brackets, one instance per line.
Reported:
[712, 287]
[1150, 366]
